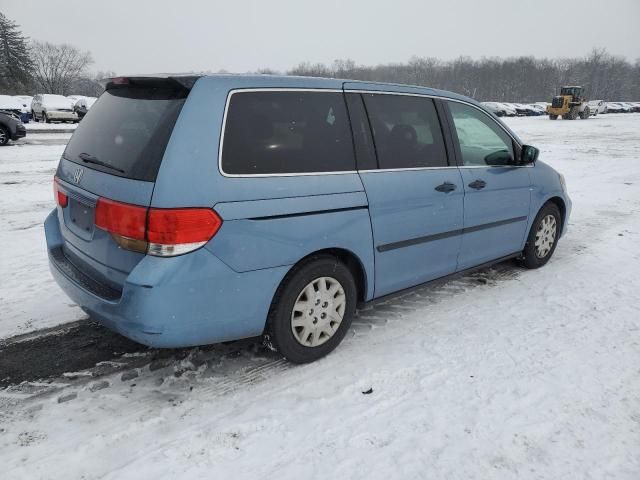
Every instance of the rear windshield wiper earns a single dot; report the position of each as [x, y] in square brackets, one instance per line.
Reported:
[88, 158]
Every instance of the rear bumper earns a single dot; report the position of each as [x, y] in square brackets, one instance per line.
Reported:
[193, 299]
[61, 115]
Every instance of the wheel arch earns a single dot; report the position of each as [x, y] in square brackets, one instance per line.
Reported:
[350, 259]
[559, 202]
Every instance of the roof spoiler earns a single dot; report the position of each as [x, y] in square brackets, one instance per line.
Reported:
[162, 80]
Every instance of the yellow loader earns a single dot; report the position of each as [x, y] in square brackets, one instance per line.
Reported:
[569, 105]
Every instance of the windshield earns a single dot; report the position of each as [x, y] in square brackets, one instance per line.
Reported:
[127, 130]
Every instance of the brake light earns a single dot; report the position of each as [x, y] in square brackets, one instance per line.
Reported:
[121, 218]
[180, 230]
[60, 197]
[120, 81]
[161, 232]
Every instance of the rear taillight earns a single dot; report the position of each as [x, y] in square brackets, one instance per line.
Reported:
[60, 197]
[121, 218]
[162, 232]
[180, 230]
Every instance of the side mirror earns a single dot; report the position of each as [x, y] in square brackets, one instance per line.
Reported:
[499, 158]
[528, 155]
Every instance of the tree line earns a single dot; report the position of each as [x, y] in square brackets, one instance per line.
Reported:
[29, 67]
[519, 79]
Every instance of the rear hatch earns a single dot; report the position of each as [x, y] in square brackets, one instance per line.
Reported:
[114, 156]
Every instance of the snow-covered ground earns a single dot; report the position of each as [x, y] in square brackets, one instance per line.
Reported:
[30, 299]
[535, 375]
[32, 125]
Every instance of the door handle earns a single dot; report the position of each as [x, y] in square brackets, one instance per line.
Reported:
[478, 184]
[446, 187]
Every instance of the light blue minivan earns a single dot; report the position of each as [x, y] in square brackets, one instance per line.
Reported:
[200, 209]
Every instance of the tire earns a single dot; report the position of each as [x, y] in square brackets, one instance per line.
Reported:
[33, 115]
[573, 113]
[45, 118]
[534, 256]
[585, 114]
[304, 283]
[4, 136]
[553, 117]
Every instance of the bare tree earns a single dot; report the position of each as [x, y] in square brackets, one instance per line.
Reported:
[57, 67]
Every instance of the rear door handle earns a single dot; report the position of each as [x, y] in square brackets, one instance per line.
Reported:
[446, 187]
[478, 184]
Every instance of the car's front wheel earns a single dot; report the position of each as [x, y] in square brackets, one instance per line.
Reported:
[543, 237]
[45, 118]
[4, 136]
[312, 309]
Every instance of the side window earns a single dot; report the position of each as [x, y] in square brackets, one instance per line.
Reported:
[287, 132]
[482, 141]
[406, 131]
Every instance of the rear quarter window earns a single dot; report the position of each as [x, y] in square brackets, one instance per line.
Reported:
[278, 132]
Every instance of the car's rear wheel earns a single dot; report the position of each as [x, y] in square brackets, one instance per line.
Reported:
[312, 309]
[4, 136]
[543, 237]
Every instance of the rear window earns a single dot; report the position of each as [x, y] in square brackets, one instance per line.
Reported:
[127, 130]
[287, 132]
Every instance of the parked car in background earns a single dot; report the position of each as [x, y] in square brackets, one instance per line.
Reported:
[496, 108]
[201, 209]
[626, 107]
[631, 106]
[597, 106]
[83, 105]
[537, 109]
[49, 108]
[510, 110]
[614, 107]
[10, 105]
[524, 110]
[11, 128]
[25, 101]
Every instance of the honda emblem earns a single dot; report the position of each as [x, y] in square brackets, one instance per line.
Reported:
[77, 174]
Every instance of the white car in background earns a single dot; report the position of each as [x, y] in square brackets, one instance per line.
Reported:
[52, 108]
[597, 106]
[509, 109]
[496, 108]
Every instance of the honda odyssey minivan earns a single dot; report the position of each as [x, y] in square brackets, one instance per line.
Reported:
[200, 209]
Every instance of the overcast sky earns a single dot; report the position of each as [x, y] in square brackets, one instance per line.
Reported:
[146, 36]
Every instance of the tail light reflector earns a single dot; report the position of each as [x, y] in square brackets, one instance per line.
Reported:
[163, 232]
